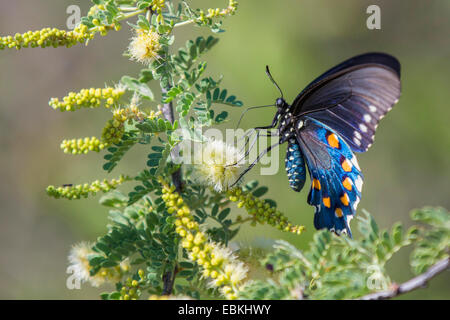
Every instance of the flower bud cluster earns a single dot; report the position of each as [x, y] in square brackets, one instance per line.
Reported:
[88, 98]
[217, 12]
[115, 128]
[131, 288]
[82, 145]
[262, 212]
[83, 190]
[216, 261]
[47, 37]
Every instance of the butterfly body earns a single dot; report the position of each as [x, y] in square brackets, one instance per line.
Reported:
[333, 117]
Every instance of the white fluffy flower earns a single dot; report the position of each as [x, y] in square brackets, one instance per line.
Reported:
[79, 264]
[217, 164]
[237, 272]
[144, 46]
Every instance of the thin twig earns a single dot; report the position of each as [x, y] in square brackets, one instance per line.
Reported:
[415, 283]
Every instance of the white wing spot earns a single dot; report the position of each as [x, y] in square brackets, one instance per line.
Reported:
[300, 124]
[349, 218]
[363, 128]
[355, 162]
[355, 204]
[373, 108]
[356, 141]
[357, 135]
[367, 118]
[359, 183]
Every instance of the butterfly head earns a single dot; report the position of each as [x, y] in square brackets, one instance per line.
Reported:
[281, 104]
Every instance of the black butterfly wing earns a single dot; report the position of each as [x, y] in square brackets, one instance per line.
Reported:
[352, 97]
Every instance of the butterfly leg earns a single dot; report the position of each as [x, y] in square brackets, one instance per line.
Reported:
[254, 162]
[258, 134]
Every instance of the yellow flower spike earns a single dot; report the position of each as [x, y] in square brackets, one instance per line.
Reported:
[215, 262]
[78, 191]
[191, 225]
[186, 244]
[80, 146]
[213, 258]
[87, 99]
[47, 38]
[202, 255]
[206, 273]
[262, 212]
[182, 233]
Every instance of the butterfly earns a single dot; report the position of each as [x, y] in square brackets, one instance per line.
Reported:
[335, 116]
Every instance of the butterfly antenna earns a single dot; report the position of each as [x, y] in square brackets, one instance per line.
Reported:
[273, 81]
[250, 108]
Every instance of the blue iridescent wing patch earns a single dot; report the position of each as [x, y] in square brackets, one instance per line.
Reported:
[336, 179]
[295, 166]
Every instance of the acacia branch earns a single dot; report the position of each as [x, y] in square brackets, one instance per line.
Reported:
[167, 111]
[415, 283]
[169, 277]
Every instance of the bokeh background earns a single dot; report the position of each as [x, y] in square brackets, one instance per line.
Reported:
[407, 167]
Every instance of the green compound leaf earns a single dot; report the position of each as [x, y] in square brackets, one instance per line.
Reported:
[114, 199]
[156, 125]
[138, 87]
[222, 97]
[186, 57]
[116, 153]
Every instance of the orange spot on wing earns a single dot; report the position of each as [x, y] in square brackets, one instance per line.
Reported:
[346, 165]
[333, 140]
[345, 200]
[326, 202]
[316, 184]
[338, 212]
[347, 183]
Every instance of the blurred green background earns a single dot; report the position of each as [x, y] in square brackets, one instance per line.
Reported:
[407, 167]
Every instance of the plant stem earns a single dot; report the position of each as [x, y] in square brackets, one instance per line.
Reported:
[180, 24]
[415, 283]
[167, 110]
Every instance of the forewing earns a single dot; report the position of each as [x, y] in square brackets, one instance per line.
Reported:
[353, 97]
[336, 180]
